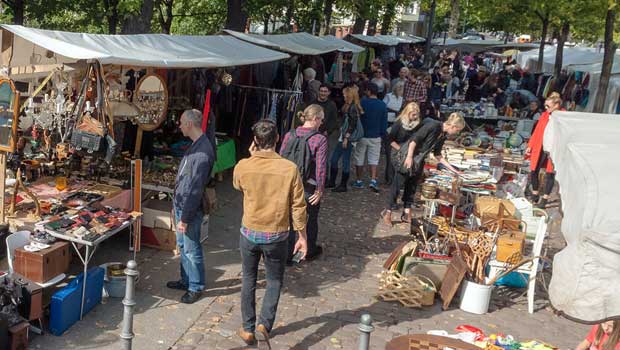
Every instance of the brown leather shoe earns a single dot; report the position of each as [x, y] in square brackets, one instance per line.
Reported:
[386, 215]
[262, 336]
[247, 337]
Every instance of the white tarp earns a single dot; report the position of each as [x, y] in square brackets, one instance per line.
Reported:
[296, 43]
[345, 46]
[586, 274]
[35, 47]
[402, 39]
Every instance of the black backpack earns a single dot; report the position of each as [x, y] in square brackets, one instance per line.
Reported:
[298, 151]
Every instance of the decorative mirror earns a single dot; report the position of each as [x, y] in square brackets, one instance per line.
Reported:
[9, 100]
[151, 98]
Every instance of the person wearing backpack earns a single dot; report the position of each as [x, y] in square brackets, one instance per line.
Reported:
[350, 132]
[307, 148]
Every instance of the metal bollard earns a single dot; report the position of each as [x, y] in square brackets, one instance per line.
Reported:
[365, 327]
[127, 333]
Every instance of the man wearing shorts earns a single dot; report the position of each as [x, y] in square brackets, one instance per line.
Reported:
[374, 121]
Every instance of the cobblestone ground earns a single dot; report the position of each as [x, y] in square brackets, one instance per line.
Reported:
[323, 300]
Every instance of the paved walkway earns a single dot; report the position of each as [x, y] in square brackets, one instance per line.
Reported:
[321, 303]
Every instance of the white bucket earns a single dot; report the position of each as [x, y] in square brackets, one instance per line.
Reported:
[475, 297]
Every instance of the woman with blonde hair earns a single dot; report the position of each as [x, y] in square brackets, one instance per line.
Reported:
[414, 142]
[350, 132]
[539, 159]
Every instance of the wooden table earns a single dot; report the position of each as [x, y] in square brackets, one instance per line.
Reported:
[427, 342]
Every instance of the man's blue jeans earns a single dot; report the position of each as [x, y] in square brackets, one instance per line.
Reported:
[192, 259]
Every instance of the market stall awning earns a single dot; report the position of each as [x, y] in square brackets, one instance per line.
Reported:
[42, 47]
[472, 46]
[383, 40]
[586, 274]
[295, 43]
[401, 39]
[516, 46]
[572, 55]
[345, 45]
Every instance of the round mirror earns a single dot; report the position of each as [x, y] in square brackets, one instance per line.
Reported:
[8, 113]
[152, 101]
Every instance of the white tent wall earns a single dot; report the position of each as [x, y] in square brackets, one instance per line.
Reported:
[42, 47]
[586, 274]
[297, 43]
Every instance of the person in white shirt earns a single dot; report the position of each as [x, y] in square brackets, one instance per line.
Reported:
[403, 73]
[394, 101]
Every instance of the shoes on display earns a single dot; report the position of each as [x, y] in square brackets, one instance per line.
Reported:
[247, 337]
[262, 335]
[190, 297]
[176, 285]
[358, 184]
[374, 186]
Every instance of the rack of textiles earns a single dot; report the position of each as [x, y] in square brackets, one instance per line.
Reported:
[574, 88]
[252, 103]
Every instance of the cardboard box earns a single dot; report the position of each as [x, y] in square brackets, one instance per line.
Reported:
[157, 214]
[158, 238]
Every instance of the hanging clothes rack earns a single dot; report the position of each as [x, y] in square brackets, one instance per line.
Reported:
[267, 89]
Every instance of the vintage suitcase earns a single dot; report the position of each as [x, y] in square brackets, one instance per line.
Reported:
[31, 307]
[43, 265]
[65, 305]
[510, 247]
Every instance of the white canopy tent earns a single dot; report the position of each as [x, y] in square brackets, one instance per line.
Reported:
[571, 55]
[586, 274]
[472, 46]
[345, 45]
[613, 90]
[295, 43]
[34, 47]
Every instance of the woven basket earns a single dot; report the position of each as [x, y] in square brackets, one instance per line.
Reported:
[429, 291]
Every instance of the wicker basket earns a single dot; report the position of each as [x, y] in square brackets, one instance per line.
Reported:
[429, 291]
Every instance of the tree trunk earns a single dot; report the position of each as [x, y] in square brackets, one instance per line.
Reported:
[327, 17]
[288, 17]
[236, 15]
[18, 12]
[166, 16]
[541, 49]
[429, 35]
[506, 37]
[455, 13]
[373, 20]
[266, 24]
[358, 26]
[388, 17]
[559, 54]
[111, 10]
[141, 22]
[608, 60]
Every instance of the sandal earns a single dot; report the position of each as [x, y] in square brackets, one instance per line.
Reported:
[405, 217]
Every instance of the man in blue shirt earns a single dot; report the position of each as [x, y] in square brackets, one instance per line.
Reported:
[374, 121]
[192, 178]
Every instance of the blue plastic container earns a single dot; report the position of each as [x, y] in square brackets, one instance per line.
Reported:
[65, 305]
